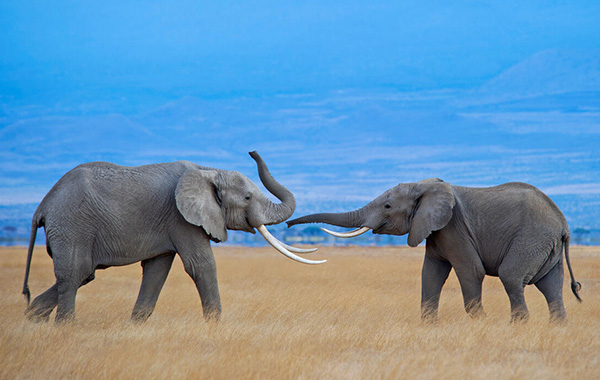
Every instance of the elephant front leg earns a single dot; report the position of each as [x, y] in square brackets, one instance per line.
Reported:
[205, 278]
[518, 307]
[208, 288]
[471, 280]
[433, 276]
[154, 275]
[199, 263]
[514, 286]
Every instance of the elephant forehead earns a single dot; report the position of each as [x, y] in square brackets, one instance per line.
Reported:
[398, 192]
[238, 182]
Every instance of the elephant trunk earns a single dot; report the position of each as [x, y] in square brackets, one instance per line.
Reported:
[345, 219]
[276, 213]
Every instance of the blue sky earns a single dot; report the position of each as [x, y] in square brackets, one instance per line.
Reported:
[64, 49]
[344, 99]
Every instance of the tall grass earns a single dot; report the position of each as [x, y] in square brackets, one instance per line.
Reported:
[355, 317]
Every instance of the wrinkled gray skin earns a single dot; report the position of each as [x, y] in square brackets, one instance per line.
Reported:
[512, 231]
[100, 215]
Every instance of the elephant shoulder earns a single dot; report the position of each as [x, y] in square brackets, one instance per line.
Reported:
[188, 165]
[96, 165]
[519, 186]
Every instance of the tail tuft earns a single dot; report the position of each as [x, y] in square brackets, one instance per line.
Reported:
[27, 295]
[576, 287]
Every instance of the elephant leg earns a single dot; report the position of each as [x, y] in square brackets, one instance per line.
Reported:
[154, 275]
[65, 311]
[518, 307]
[470, 286]
[470, 272]
[433, 276]
[551, 287]
[72, 271]
[199, 263]
[514, 285]
[42, 305]
[205, 278]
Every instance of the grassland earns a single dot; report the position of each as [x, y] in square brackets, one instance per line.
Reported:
[356, 317]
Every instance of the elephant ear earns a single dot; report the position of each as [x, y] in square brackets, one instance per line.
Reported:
[434, 202]
[197, 200]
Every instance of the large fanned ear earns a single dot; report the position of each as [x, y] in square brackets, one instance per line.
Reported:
[434, 202]
[198, 201]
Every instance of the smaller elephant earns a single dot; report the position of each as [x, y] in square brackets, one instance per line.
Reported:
[100, 215]
[512, 231]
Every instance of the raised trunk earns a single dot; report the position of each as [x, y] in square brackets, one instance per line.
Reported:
[345, 219]
[276, 213]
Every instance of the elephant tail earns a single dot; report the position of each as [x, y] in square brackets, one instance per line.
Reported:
[575, 286]
[32, 236]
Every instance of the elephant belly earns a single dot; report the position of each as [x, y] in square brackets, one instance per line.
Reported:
[125, 250]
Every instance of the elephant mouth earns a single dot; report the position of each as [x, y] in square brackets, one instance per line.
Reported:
[248, 227]
[379, 230]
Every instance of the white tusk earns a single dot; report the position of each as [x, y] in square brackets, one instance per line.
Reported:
[298, 250]
[281, 247]
[356, 232]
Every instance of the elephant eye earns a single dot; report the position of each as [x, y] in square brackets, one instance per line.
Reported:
[248, 197]
[388, 206]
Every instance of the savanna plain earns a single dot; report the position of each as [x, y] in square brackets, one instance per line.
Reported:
[355, 317]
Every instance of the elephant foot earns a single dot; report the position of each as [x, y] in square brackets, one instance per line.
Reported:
[62, 319]
[140, 316]
[475, 310]
[558, 319]
[429, 320]
[213, 315]
[478, 314]
[429, 316]
[558, 314]
[519, 318]
[38, 316]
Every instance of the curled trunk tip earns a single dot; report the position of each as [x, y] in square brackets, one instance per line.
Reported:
[278, 212]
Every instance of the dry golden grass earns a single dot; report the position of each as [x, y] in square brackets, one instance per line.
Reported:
[355, 317]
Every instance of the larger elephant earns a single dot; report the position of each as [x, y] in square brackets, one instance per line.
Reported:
[513, 231]
[100, 215]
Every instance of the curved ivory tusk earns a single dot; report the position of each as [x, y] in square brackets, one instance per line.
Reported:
[281, 247]
[356, 232]
[298, 250]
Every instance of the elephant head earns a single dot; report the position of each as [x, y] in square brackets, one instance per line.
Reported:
[218, 200]
[414, 208]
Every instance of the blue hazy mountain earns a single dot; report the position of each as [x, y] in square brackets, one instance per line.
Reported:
[549, 72]
[537, 121]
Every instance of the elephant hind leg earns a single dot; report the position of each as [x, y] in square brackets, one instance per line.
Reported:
[65, 310]
[73, 268]
[42, 305]
[154, 275]
[551, 286]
